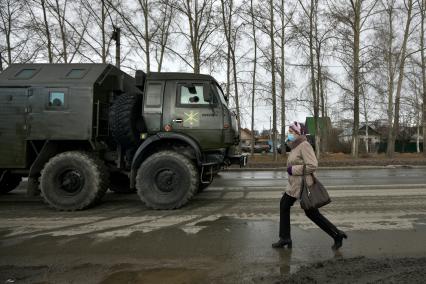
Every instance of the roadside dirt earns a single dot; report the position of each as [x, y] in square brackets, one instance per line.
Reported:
[361, 270]
[349, 270]
[344, 160]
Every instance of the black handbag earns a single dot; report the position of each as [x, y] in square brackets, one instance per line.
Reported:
[314, 196]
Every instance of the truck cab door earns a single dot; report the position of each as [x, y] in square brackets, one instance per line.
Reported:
[197, 112]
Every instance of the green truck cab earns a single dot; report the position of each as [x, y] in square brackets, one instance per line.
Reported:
[77, 130]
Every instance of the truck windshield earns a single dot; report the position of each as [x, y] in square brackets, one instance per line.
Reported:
[221, 95]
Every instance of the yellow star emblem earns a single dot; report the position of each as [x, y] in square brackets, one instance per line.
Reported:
[191, 118]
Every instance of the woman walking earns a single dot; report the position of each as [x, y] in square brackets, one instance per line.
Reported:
[301, 154]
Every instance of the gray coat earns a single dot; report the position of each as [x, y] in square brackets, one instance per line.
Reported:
[303, 153]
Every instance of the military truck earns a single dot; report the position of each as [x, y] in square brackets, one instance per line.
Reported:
[75, 130]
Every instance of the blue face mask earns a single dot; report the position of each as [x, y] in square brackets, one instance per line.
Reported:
[291, 137]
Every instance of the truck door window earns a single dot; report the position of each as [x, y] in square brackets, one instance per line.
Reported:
[153, 95]
[56, 99]
[192, 95]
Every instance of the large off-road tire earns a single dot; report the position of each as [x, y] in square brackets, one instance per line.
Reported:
[120, 183]
[125, 120]
[73, 181]
[8, 181]
[167, 180]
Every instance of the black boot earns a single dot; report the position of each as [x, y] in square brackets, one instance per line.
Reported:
[338, 240]
[282, 243]
[327, 227]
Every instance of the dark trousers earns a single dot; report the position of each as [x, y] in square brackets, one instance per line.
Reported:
[286, 202]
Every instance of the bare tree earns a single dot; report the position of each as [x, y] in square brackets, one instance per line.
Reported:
[199, 17]
[47, 31]
[58, 10]
[414, 98]
[283, 42]
[252, 23]
[10, 11]
[350, 22]
[167, 14]
[137, 28]
[391, 142]
[230, 30]
[306, 37]
[101, 22]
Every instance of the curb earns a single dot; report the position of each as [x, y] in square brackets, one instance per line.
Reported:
[329, 187]
[332, 168]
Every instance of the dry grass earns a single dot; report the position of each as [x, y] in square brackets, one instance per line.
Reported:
[341, 159]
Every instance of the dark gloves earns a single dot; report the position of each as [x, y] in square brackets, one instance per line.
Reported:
[289, 171]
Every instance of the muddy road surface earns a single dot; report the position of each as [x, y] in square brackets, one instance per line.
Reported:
[224, 235]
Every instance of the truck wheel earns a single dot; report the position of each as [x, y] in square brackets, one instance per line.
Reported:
[8, 182]
[73, 181]
[167, 180]
[125, 120]
[120, 183]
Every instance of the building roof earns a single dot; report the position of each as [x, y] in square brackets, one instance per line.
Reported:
[361, 131]
[246, 130]
[371, 131]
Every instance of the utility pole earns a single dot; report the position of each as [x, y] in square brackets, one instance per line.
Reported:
[1, 63]
[116, 37]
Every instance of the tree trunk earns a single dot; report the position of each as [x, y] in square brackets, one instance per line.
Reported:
[165, 33]
[227, 22]
[391, 78]
[103, 19]
[395, 128]
[325, 131]
[228, 45]
[47, 30]
[163, 44]
[318, 128]
[237, 103]
[274, 95]
[418, 121]
[254, 78]
[145, 8]
[312, 69]
[118, 47]
[422, 46]
[283, 147]
[193, 33]
[61, 21]
[8, 32]
[357, 31]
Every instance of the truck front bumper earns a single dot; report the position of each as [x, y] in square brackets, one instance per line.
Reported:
[237, 160]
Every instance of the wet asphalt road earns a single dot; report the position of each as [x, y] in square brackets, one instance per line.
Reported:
[223, 235]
